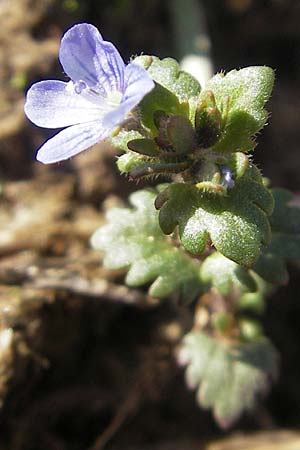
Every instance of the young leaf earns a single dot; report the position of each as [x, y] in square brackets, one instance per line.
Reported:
[130, 161]
[133, 240]
[236, 224]
[228, 376]
[167, 73]
[231, 279]
[285, 243]
[225, 275]
[241, 96]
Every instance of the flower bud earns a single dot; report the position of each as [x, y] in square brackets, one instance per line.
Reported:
[176, 133]
[208, 121]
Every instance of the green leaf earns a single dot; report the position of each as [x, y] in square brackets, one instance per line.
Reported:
[121, 139]
[167, 73]
[242, 285]
[241, 96]
[160, 99]
[133, 240]
[285, 243]
[228, 376]
[145, 147]
[227, 276]
[236, 224]
[130, 161]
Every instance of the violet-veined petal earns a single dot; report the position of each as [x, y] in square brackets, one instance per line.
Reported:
[54, 104]
[86, 57]
[137, 84]
[111, 67]
[100, 94]
[71, 141]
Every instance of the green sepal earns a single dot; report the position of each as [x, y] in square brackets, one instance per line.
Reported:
[160, 99]
[176, 134]
[236, 224]
[285, 243]
[228, 376]
[239, 163]
[138, 166]
[167, 72]
[240, 96]
[153, 168]
[130, 161]
[145, 147]
[210, 176]
[132, 240]
[121, 139]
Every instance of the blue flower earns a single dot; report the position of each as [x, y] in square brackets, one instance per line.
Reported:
[102, 91]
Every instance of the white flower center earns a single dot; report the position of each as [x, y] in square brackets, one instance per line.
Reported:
[96, 94]
[114, 98]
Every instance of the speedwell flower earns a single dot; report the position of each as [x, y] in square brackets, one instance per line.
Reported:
[102, 91]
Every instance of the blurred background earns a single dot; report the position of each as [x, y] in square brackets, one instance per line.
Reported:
[84, 362]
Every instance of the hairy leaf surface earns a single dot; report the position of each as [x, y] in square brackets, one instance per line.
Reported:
[241, 95]
[133, 240]
[226, 275]
[237, 224]
[228, 377]
[285, 243]
[167, 73]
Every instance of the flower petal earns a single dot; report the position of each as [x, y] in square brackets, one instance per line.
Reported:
[137, 84]
[71, 141]
[54, 104]
[86, 57]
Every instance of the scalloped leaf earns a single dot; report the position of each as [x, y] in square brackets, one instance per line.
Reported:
[236, 224]
[241, 95]
[133, 240]
[231, 279]
[228, 377]
[167, 72]
[285, 243]
[225, 275]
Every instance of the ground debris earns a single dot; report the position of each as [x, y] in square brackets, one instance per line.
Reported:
[20, 53]
[264, 440]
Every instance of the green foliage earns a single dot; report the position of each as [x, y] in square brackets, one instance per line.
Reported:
[208, 121]
[285, 243]
[133, 240]
[230, 279]
[129, 161]
[228, 376]
[236, 224]
[167, 73]
[240, 96]
[221, 201]
[225, 275]
[160, 99]
[121, 139]
[172, 93]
